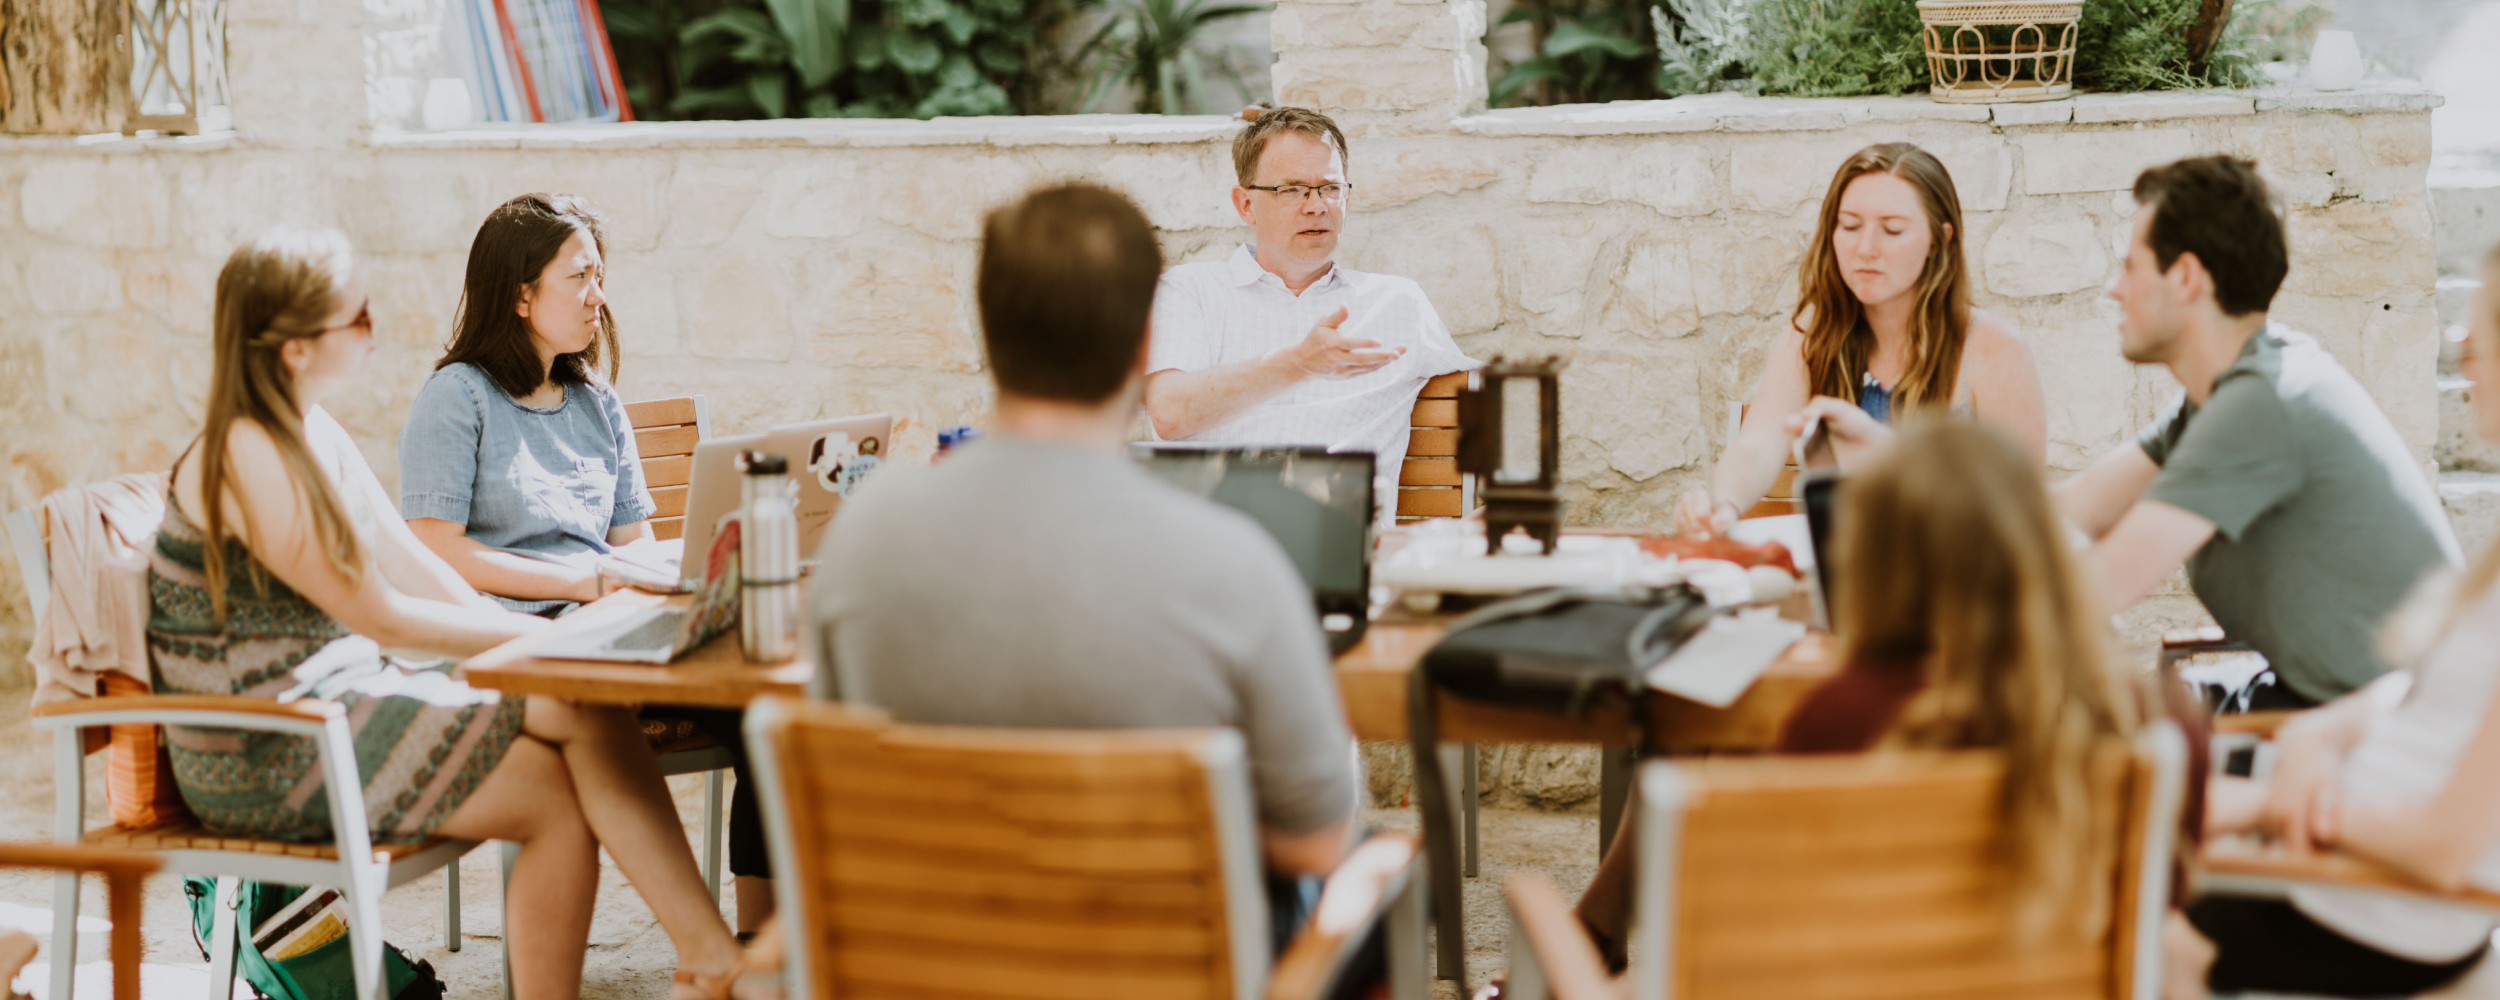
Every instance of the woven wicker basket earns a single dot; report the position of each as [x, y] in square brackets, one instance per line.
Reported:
[1999, 51]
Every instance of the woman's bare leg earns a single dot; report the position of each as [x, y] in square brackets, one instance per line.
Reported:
[625, 800]
[755, 902]
[528, 799]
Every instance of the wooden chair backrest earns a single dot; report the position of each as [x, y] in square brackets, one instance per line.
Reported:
[123, 872]
[1878, 875]
[1782, 497]
[666, 431]
[1010, 864]
[1429, 485]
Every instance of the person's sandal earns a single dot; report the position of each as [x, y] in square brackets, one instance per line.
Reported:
[686, 985]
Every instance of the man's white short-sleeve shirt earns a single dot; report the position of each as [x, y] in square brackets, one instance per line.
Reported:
[1211, 314]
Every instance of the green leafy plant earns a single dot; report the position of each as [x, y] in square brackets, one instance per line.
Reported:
[1837, 48]
[2135, 45]
[1699, 44]
[833, 58]
[1587, 50]
[2143, 44]
[1158, 46]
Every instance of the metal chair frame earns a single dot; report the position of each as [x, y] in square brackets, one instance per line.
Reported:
[358, 872]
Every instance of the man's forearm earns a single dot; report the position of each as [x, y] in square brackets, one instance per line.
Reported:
[1184, 403]
[2094, 499]
[2152, 539]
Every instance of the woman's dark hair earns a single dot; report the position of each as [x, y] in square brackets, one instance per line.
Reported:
[514, 245]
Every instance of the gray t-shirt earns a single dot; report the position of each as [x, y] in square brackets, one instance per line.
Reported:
[1027, 584]
[2322, 522]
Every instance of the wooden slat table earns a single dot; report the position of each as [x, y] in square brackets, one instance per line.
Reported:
[715, 675]
[1371, 678]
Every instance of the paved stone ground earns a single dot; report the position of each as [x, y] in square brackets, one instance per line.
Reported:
[629, 956]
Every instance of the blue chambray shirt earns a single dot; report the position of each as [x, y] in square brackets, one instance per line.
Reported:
[538, 482]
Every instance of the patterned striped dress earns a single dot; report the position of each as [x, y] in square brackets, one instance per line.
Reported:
[424, 739]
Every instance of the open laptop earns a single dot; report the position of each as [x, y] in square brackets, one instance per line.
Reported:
[1316, 503]
[829, 458]
[658, 635]
[1817, 483]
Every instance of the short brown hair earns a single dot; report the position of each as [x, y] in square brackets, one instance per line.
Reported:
[1067, 280]
[1252, 142]
[2219, 209]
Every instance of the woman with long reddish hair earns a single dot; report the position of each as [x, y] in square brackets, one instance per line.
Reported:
[1883, 326]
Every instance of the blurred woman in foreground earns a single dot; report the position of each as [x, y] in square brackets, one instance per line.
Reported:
[2405, 772]
[1960, 623]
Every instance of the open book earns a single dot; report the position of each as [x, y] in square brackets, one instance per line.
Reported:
[316, 918]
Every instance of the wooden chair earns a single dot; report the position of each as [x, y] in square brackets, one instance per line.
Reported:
[1859, 876]
[665, 433]
[361, 871]
[2238, 866]
[1429, 485]
[1014, 863]
[123, 872]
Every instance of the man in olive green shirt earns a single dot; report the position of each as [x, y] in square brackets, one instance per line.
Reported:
[2299, 512]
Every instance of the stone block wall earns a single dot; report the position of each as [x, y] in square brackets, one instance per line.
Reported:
[798, 269]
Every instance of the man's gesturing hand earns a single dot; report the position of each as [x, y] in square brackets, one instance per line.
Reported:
[1327, 354]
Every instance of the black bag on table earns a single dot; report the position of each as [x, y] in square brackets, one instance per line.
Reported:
[1558, 651]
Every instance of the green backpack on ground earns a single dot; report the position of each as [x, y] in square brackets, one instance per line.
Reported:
[327, 972]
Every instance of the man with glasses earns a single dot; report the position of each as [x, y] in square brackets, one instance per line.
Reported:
[1280, 345]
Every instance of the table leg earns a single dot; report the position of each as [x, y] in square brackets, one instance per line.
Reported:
[1467, 796]
[1614, 787]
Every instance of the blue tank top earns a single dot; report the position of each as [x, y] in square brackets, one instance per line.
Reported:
[1875, 399]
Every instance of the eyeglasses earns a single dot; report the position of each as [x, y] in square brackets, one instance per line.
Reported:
[1335, 192]
[362, 322]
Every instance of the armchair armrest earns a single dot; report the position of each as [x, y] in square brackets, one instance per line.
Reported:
[1356, 897]
[306, 716]
[2181, 643]
[110, 861]
[1552, 955]
[2237, 868]
[2261, 725]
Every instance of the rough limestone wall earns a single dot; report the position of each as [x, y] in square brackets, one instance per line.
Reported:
[797, 269]
[808, 269]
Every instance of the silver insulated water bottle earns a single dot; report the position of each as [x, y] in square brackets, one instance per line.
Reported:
[768, 560]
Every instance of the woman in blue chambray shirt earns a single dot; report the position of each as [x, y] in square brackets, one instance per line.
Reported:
[518, 464]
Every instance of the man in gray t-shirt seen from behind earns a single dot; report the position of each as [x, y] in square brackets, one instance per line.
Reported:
[1038, 577]
[2295, 505]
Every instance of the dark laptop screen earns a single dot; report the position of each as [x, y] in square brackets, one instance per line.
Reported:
[1318, 505]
